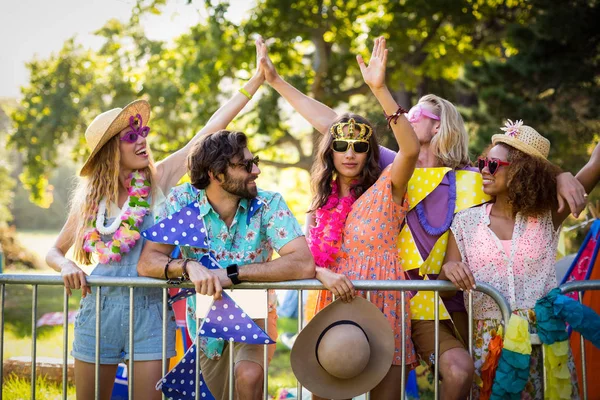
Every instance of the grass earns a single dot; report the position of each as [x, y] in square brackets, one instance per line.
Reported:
[15, 388]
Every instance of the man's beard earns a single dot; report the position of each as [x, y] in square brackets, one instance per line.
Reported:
[239, 187]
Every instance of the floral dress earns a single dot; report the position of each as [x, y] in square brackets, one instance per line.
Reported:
[522, 269]
[369, 252]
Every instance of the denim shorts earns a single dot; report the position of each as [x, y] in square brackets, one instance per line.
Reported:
[114, 329]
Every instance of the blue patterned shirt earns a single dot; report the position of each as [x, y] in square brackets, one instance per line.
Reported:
[270, 228]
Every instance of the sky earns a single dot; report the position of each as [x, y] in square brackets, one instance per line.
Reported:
[38, 28]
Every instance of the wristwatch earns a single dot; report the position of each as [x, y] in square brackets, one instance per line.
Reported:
[232, 273]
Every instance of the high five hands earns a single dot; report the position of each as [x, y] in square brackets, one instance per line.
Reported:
[374, 73]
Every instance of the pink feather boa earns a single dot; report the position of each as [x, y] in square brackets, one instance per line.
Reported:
[326, 235]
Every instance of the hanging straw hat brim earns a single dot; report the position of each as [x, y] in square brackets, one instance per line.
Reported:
[120, 122]
[316, 379]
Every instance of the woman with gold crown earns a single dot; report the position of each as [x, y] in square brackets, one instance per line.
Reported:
[358, 209]
[121, 187]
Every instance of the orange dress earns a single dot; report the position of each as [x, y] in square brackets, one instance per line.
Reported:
[369, 251]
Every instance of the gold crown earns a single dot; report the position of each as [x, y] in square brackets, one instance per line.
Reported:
[364, 130]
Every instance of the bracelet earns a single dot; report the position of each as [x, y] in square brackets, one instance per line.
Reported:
[167, 268]
[245, 93]
[184, 274]
[394, 117]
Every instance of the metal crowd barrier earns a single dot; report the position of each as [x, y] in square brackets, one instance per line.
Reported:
[580, 287]
[99, 282]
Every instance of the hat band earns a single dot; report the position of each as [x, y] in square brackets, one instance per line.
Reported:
[340, 322]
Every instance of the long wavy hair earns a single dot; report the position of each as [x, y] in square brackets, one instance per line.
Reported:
[451, 143]
[103, 181]
[531, 183]
[322, 170]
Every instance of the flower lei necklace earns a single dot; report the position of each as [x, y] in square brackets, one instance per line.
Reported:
[126, 226]
[330, 219]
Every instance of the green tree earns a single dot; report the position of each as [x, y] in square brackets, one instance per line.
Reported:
[548, 75]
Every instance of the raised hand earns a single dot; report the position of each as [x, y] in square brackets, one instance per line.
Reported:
[260, 54]
[374, 73]
[271, 74]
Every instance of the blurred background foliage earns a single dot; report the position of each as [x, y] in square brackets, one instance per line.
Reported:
[534, 60]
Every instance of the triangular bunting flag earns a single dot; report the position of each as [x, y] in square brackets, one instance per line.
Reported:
[255, 204]
[180, 382]
[226, 320]
[183, 228]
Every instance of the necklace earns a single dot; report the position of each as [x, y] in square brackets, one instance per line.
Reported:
[126, 226]
[330, 219]
[431, 230]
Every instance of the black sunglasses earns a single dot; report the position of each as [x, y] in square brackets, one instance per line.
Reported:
[342, 145]
[247, 164]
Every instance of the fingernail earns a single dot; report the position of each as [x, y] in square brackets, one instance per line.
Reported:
[474, 286]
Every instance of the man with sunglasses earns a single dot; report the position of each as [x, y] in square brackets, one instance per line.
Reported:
[243, 225]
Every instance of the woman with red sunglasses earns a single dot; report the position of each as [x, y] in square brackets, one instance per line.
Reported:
[117, 195]
[357, 209]
[510, 243]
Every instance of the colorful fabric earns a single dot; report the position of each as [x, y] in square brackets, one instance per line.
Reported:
[486, 330]
[553, 310]
[369, 252]
[512, 372]
[248, 240]
[421, 252]
[523, 276]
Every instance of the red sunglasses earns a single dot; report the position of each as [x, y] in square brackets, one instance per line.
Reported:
[492, 163]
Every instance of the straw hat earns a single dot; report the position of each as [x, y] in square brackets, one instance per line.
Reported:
[524, 138]
[345, 350]
[110, 123]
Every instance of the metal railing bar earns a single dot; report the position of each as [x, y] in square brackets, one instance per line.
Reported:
[2, 296]
[34, 295]
[97, 352]
[231, 372]
[131, 366]
[165, 297]
[470, 338]
[583, 360]
[300, 322]
[436, 351]
[266, 359]
[65, 369]
[197, 357]
[402, 345]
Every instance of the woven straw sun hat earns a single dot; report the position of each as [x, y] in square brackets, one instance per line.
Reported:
[109, 124]
[345, 350]
[523, 138]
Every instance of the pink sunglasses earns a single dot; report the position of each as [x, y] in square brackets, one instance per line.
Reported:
[417, 112]
[137, 129]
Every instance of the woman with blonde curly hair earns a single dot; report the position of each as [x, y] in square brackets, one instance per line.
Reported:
[510, 242]
[119, 189]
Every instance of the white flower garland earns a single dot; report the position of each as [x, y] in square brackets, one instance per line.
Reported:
[112, 228]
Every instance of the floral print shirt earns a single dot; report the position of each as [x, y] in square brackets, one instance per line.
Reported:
[524, 275]
[270, 228]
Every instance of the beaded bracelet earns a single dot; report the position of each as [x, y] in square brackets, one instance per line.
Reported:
[394, 117]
